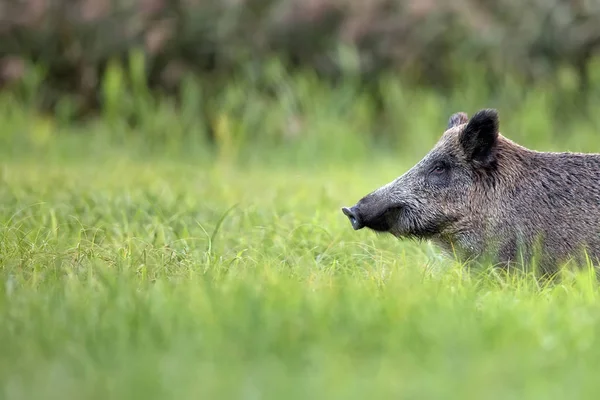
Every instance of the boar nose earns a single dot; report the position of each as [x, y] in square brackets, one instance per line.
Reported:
[353, 217]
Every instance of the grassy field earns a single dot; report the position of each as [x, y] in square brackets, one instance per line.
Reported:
[127, 276]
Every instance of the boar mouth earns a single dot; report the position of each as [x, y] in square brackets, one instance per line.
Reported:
[416, 227]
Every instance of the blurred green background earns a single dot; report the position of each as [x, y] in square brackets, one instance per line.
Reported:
[322, 77]
[171, 178]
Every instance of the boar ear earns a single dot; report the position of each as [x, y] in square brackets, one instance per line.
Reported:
[478, 139]
[456, 119]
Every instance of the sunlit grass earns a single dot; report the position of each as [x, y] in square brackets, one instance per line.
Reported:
[164, 280]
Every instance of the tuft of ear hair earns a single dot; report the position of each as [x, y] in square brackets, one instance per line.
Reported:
[479, 137]
[458, 118]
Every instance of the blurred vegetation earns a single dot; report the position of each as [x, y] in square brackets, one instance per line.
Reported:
[324, 77]
[71, 45]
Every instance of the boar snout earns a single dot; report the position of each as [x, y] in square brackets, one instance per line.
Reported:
[373, 211]
[354, 217]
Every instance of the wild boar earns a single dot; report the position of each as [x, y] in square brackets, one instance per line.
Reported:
[480, 196]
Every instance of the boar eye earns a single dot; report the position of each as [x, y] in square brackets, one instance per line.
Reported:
[438, 169]
[439, 174]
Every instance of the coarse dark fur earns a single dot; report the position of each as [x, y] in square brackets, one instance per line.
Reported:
[480, 195]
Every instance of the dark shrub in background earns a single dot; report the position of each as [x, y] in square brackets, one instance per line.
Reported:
[428, 42]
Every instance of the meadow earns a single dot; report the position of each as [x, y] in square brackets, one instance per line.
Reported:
[144, 262]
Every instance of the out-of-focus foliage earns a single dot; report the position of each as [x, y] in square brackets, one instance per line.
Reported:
[72, 42]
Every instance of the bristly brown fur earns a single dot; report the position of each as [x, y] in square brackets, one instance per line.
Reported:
[478, 194]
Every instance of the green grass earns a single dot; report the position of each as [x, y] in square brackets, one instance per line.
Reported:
[124, 279]
[143, 263]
